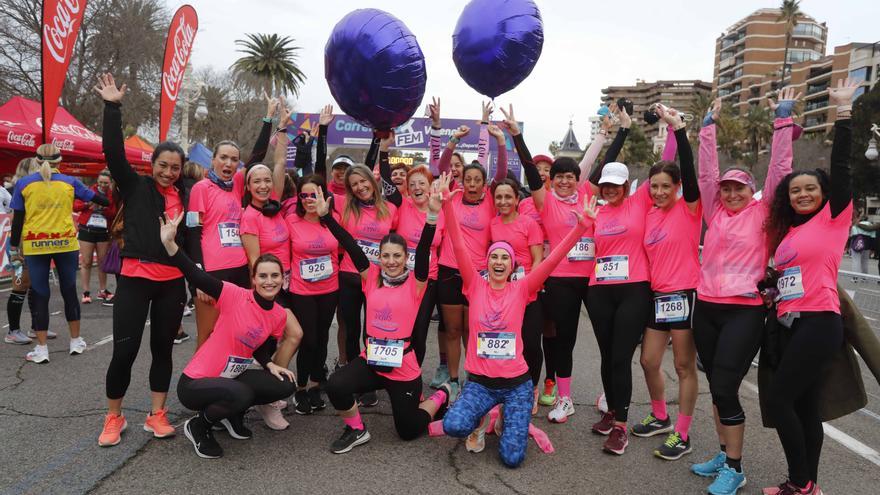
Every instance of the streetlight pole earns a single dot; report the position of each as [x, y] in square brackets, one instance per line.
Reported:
[191, 94]
[871, 153]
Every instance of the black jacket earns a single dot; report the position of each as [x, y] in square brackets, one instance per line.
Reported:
[143, 203]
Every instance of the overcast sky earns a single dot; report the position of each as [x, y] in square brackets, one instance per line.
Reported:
[588, 45]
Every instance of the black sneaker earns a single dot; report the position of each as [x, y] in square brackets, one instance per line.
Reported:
[302, 403]
[202, 438]
[315, 399]
[236, 428]
[651, 426]
[350, 439]
[674, 447]
[368, 399]
[181, 338]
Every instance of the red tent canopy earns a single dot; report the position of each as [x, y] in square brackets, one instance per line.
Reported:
[21, 134]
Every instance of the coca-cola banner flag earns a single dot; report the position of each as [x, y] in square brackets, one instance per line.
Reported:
[61, 22]
[178, 48]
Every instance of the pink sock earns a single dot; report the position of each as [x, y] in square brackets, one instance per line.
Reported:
[658, 408]
[354, 422]
[682, 425]
[563, 386]
[438, 398]
[435, 428]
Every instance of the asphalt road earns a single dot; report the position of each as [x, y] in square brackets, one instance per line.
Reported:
[50, 417]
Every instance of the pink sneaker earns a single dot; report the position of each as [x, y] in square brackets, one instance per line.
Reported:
[271, 414]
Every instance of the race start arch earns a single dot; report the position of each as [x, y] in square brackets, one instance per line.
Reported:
[412, 136]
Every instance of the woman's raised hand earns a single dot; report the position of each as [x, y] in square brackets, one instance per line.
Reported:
[322, 205]
[326, 116]
[106, 87]
[509, 123]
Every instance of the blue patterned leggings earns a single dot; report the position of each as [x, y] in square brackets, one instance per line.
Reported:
[477, 400]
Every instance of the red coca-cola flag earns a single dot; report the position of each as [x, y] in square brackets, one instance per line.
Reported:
[178, 47]
[61, 22]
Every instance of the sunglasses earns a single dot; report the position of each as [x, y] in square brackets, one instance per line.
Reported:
[308, 195]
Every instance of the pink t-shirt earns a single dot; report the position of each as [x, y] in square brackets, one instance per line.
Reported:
[495, 317]
[474, 221]
[221, 221]
[242, 327]
[559, 218]
[368, 231]
[620, 234]
[522, 234]
[391, 313]
[527, 207]
[315, 258]
[271, 231]
[808, 259]
[672, 243]
[410, 222]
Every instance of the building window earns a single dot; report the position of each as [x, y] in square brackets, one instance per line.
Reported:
[796, 55]
[814, 105]
[862, 74]
[806, 29]
[859, 92]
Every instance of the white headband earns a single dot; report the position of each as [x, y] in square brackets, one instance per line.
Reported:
[259, 165]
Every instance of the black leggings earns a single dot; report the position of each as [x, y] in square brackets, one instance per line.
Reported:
[221, 398]
[533, 327]
[620, 313]
[136, 296]
[794, 391]
[315, 315]
[351, 305]
[548, 343]
[423, 321]
[357, 377]
[14, 307]
[727, 337]
[564, 297]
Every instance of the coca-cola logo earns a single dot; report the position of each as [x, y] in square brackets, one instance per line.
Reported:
[60, 28]
[23, 139]
[64, 144]
[182, 43]
[74, 130]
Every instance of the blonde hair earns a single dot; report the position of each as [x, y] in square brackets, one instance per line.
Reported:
[46, 154]
[193, 170]
[25, 167]
[352, 206]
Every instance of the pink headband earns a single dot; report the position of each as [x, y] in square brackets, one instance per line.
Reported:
[501, 245]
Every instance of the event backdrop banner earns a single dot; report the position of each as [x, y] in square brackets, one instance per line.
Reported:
[414, 135]
[178, 48]
[61, 22]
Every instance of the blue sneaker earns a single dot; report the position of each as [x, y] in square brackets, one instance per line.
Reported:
[441, 376]
[711, 467]
[727, 482]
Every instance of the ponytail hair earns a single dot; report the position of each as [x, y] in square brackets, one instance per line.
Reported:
[48, 155]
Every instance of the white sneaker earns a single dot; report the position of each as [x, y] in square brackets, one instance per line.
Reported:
[564, 408]
[187, 310]
[40, 354]
[77, 346]
[17, 337]
[49, 334]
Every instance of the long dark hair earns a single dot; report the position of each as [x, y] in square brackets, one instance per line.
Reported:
[782, 215]
[317, 180]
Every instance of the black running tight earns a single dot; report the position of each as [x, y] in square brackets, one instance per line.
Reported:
[727, 337]
[221, 398]
[533, 327]
[564, 298]
[357, 377]
[619, 313]
[134, 298]
[794, 391]
[315, 315]
[351, 305]
[14, 307]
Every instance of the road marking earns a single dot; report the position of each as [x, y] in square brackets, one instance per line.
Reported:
[102, 341]
[6, 289]
[840, 437]
[870, 413]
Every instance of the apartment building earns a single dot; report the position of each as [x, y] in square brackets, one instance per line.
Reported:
[677, 94]
[749, 55]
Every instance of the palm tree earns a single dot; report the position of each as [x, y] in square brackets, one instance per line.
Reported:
[269, 64]
[758, 128]
[698, 107]
[790, 10]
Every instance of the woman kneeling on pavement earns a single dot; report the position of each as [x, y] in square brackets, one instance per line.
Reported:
[393, 295]
[497, 371]
[217, 382]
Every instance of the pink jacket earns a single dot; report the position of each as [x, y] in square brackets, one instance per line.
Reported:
[735, 248]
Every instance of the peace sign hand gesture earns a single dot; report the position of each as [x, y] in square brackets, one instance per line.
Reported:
[510, 122]
[322, 205]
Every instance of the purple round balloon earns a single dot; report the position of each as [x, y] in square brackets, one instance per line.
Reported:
[375, 69]
[496, 44]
